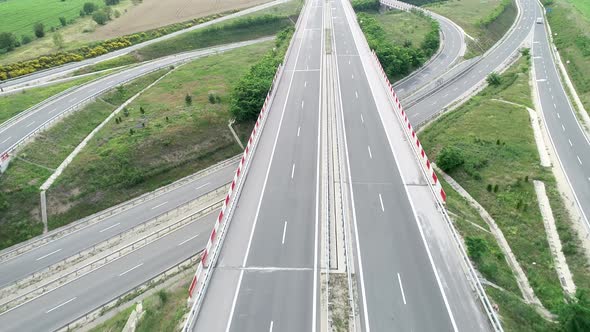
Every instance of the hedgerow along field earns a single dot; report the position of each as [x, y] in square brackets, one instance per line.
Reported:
[19, 16]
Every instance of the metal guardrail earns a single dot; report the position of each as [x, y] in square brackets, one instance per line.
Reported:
[99, 262]
[10, 290]
[24, 247]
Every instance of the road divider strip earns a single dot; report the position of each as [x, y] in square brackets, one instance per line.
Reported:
[439, 194]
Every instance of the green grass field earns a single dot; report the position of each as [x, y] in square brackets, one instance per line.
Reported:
[19, 185]
[169, 141]
[496, 140]
[468, 13]
[402, 26]
[583, 6]
[19, 16]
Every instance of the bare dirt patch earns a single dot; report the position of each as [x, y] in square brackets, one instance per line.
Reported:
[151, 14]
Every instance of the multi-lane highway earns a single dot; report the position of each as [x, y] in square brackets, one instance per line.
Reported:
[46, 75]
[67, 246]
[402, 284]
[61, 306]
[27, 124]
[570, 141]
[266, 276]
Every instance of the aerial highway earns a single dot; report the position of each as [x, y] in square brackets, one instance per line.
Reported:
[403, 282]
[57, 308]
[266, 276]
[53, 73]
[569, 139]
[24, 126]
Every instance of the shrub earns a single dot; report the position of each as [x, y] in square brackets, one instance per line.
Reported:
[496, 188]
[188, 99]
[476, 247]
[62, 21]
[58, 40]
[489, 188]
[141, 110]
[212, 98]
[89, 8]
[117, 14]
[8, 41]
[574, 315]
[100, 17]
[365, 5]
[111, 2]
[25, 39]
[450, 158]
[494, 79]
[39, 29]
[163, 296]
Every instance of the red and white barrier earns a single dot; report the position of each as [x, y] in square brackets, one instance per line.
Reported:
[207, 258]
[413, 137]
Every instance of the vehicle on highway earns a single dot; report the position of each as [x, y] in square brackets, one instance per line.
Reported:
[539, 20]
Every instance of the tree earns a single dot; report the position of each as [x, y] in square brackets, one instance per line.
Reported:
[39, 29]
[62, 21]
[8, 41]
[58, 40]
[494, 79]
[111, 2]
[89, 8]
[450, 158]
[100, 17]
[574, 315]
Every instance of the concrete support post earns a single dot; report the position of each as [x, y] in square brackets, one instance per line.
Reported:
[44, 211]
[231, 122]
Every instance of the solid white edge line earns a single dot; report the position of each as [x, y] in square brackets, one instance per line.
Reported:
[131, 269]
[235, 299]
[61, 305]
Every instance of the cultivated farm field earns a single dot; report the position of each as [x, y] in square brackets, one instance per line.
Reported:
[152, 14]
[19, 16]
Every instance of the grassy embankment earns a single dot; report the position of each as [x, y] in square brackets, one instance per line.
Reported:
[19, 185]
[163, 311]
[485, 20]
[260, 24]
[570, 24]
[12, 104]
[403, 41]
[497, 147]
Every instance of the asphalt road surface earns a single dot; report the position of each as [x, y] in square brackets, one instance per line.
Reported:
[59, 307]
[266, 276]
[570, 141]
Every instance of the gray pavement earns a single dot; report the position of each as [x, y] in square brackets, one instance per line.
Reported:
[569, 139]
[401, 290]
[59, 307]
[266, 275]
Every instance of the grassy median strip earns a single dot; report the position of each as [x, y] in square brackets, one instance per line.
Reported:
[12, 104]
[496, 162]
[19, 185]
[174, 129]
